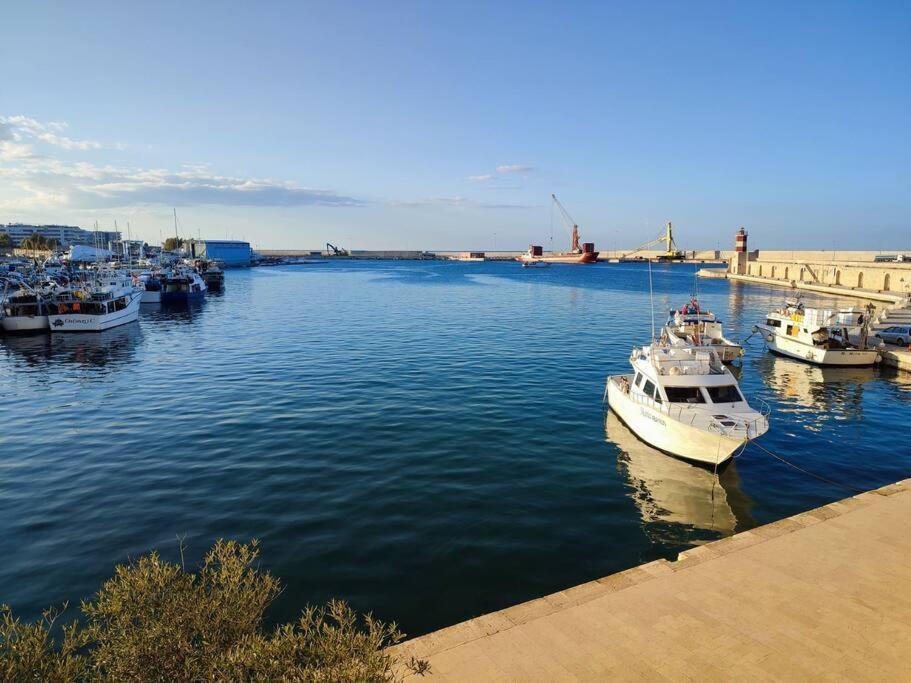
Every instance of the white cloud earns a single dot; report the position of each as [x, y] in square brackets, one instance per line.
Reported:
[502, 169]
[42, 180]
[23, 127]
[454, 203]
[514, 168]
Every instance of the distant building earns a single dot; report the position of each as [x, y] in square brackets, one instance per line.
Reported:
[66, 235]
[229, 252]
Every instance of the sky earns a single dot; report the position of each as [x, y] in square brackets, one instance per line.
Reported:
[432, 125]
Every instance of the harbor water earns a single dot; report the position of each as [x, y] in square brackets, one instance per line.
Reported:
[423, 439]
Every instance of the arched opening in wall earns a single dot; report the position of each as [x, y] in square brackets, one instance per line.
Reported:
[837, 276]
[886, 283]
[773, 271]
[801, 274]
[760, 270]
[786, 273]
[860, 280]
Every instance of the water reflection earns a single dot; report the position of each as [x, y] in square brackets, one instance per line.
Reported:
[677, 501]
[822, 392]
[108, 349]
[179, 312]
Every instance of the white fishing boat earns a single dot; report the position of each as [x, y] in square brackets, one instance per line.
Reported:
[151, 281]
[821, 336]
[691, 325]
[24, 308]
[535, 264]
[682, 400]
[112, 299]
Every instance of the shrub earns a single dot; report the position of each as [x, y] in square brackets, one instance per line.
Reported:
[155, 621]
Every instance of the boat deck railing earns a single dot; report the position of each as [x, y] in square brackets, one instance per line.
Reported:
[740, 426]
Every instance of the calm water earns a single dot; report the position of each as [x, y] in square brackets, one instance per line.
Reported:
[425, 440]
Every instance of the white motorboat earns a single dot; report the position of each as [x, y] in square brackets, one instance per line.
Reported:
[690, 325]
[112, 300]
[682, 400]
[821, 336]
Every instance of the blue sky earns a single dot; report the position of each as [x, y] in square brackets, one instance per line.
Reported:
[444, 126]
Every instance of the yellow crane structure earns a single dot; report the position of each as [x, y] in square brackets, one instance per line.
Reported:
[671, 252]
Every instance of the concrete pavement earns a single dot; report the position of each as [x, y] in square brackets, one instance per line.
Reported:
[824, 595]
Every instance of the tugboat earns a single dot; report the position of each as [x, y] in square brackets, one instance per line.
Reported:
[690, 325]
[578, 253]
[820, 336]
[683, 401]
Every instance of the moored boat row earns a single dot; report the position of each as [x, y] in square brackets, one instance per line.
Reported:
[681, 398]
[96, 298]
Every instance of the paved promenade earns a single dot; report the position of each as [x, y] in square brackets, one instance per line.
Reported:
[824, 595]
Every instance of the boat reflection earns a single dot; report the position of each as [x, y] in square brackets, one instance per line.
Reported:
[678, 502]
[107, 349]
[175, 311]
[823, 392]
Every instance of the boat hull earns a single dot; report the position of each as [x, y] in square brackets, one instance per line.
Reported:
[181, 296]
[83, 322]
[792, 348]
[23, 324]
[587, 257]
[151, 296]
[671, 436]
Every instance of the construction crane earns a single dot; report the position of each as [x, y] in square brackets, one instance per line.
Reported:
[671, 252]
[336, 251]
[570, 223]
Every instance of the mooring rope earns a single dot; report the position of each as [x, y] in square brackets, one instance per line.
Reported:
[807, 472]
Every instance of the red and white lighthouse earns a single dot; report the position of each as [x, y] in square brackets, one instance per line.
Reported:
[741, 241]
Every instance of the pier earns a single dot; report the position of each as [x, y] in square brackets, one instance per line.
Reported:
[850, 274]
[822, 595]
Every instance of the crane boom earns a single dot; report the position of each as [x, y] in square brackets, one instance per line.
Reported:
[570, 223]
[670, 247]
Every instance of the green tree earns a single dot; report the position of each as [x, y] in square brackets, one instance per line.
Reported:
[155, 621]
[38, 242]
[6, 242]
[173, 243]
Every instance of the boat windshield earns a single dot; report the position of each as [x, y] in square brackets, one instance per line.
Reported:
[724, 394]
[684, 395]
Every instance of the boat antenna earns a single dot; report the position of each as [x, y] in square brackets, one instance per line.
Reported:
[129, 247]
[176, 236]
[651, 298]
